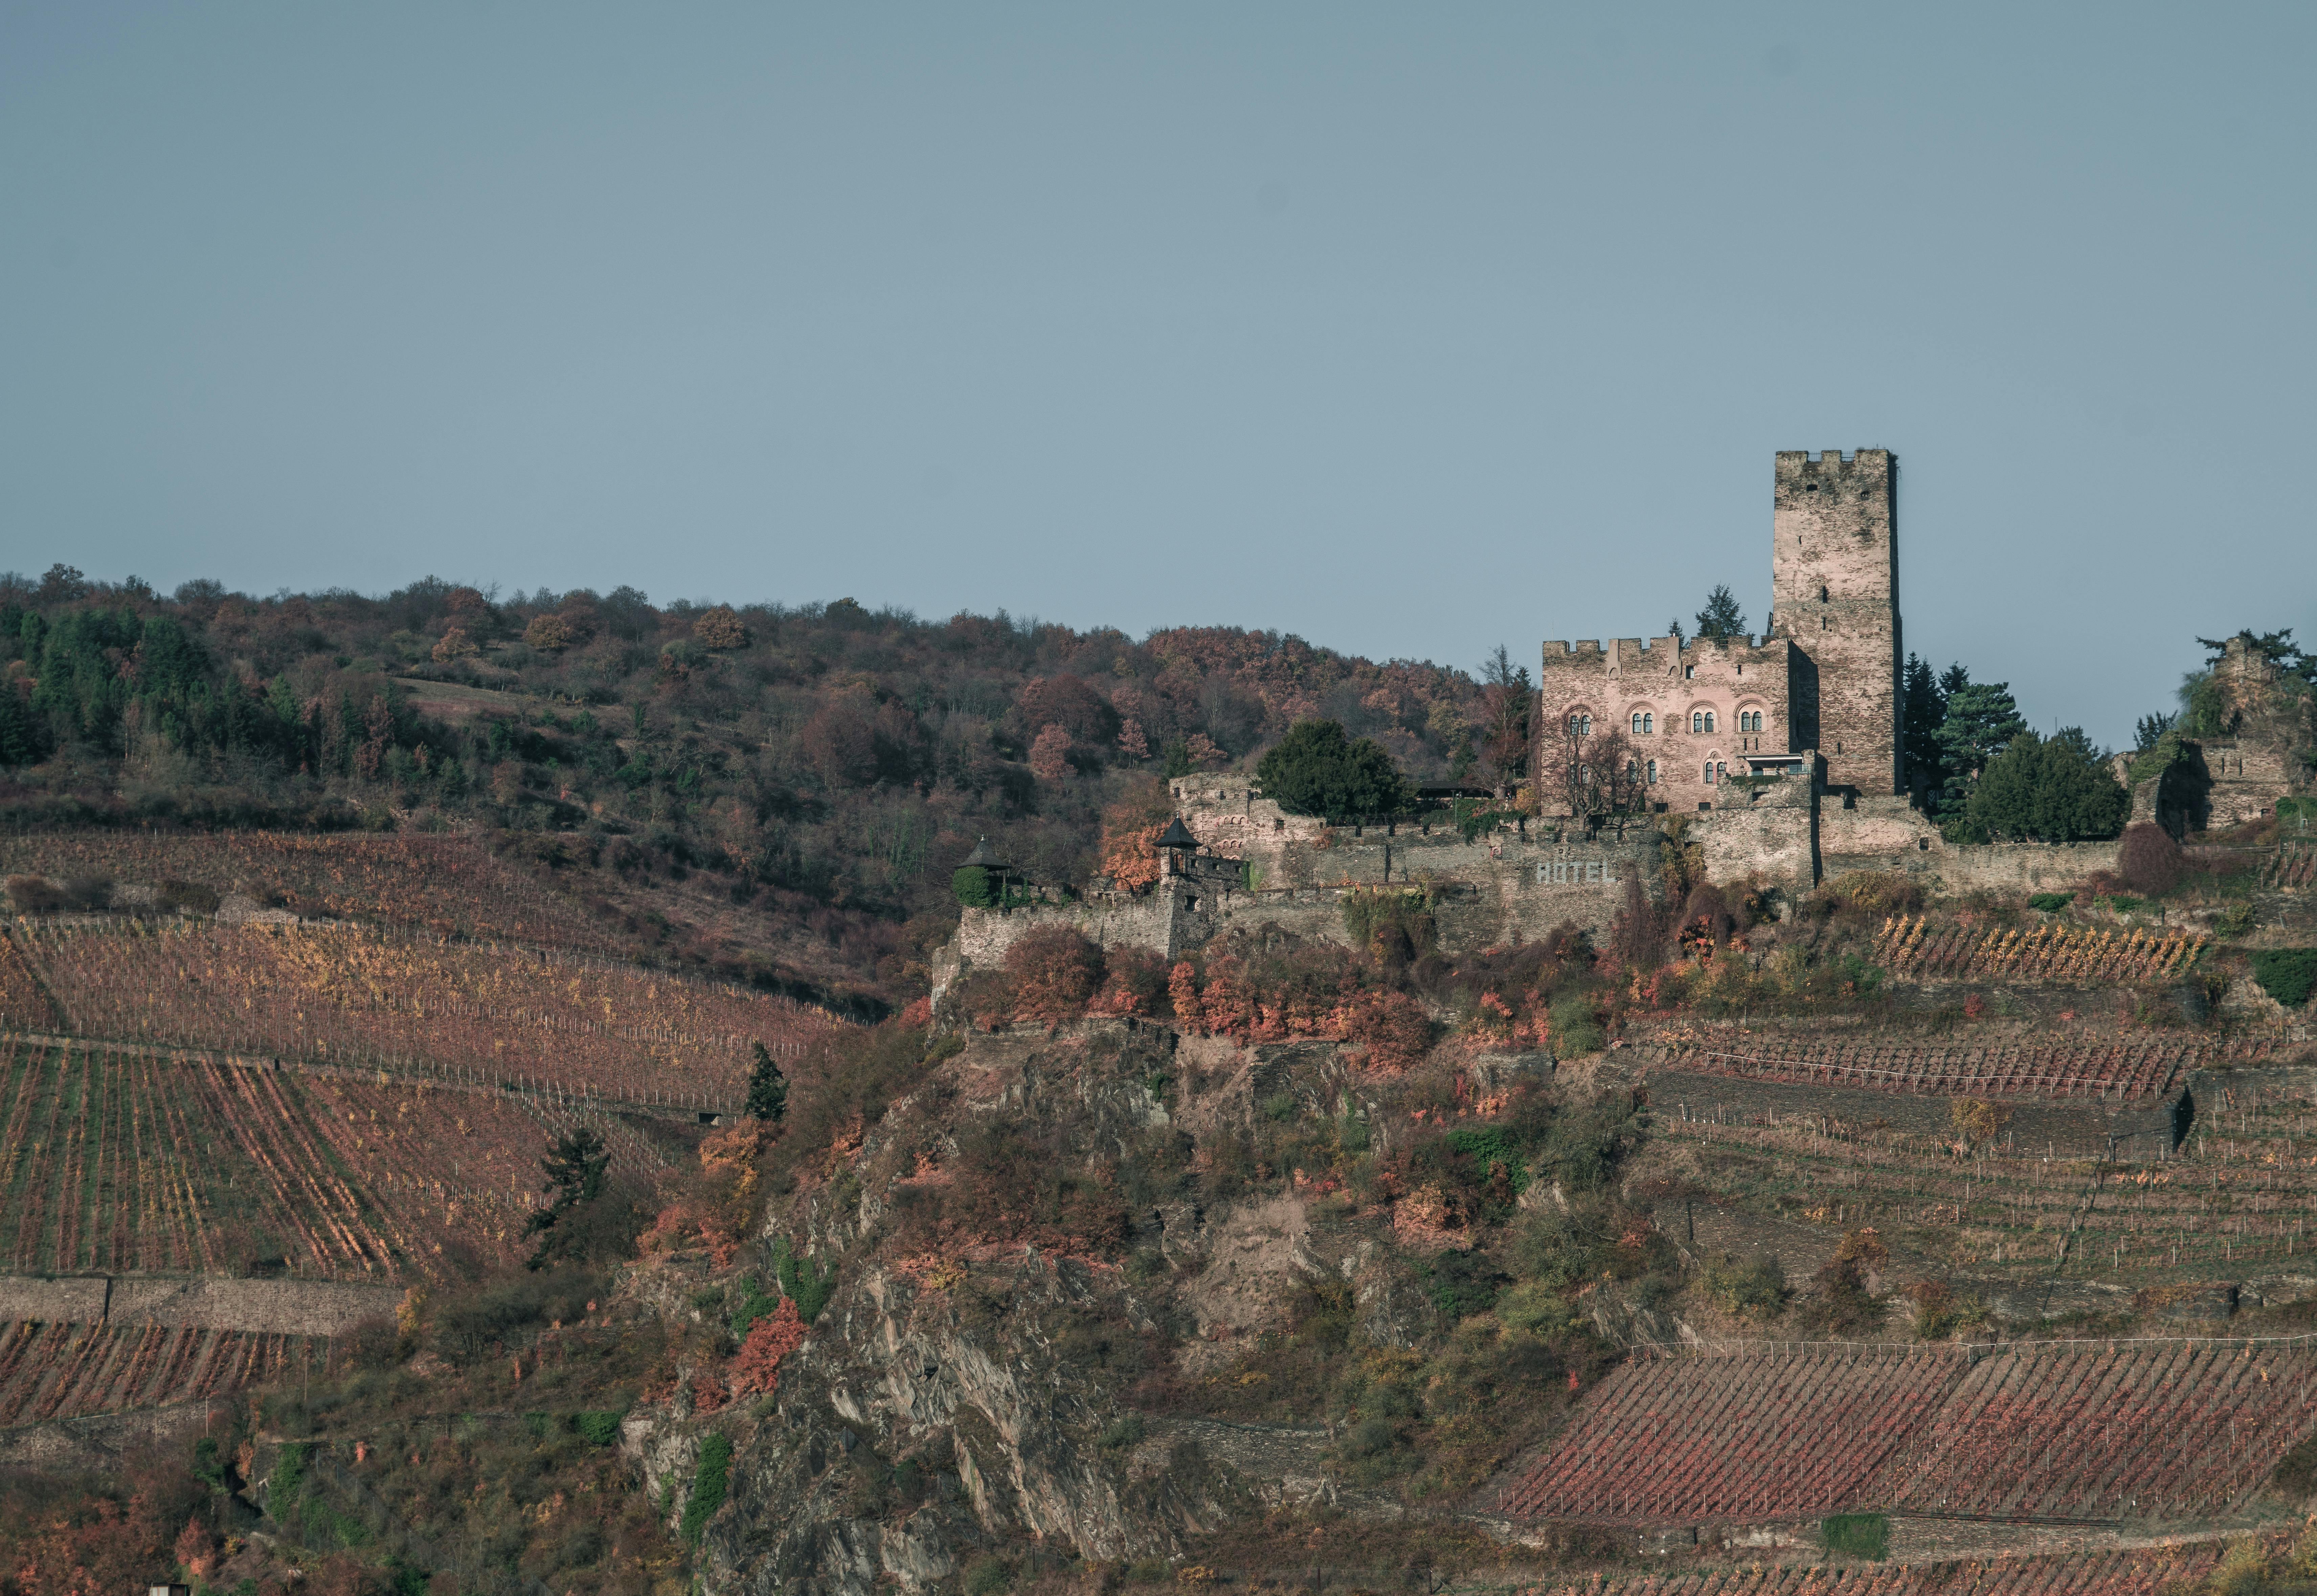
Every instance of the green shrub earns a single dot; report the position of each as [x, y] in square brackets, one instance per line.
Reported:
[2286, 973]
[288, 1479]
[1577, 1027]
[709, 1481]
[986, 1576]
[1492, 1144]
[1315, 770]
[598, 1430]
[2125, 903]
[974, 887]
[1856, 1534]
[810, 1283]
[2296, 1471]
[2049, 903]
[754, 1305]
[1124, 1433]
[1757, 1286]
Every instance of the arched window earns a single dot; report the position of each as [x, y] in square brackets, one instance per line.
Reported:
[1636, 727]
[1580, 725]
[1653, 773]
[1648, 725]
[1709, 719]
[1697, 720]
[1749, 720]
[1709, 773]
[1720, 770]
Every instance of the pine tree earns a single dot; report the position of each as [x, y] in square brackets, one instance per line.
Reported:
[575, 1167]
[768, 1089]
[1982, 721]
[1721, 618]
[1927, 707]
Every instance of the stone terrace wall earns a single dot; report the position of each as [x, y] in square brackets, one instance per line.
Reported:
[277, 1307]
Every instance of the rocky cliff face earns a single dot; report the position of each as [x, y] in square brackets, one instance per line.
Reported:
[992, 1391]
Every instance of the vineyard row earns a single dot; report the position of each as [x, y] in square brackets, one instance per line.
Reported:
[2037, 1433]
[63, 1371]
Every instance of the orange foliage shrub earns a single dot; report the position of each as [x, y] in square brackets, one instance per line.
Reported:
[1054, 972]
[1131, 859]
[1183, 992]
[757, 1366]
[1134, 983]
[1130, 835]
[1392, 1026]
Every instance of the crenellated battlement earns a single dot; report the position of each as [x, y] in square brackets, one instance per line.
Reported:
[1860, 462]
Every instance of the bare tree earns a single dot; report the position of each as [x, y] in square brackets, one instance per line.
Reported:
[1593, 776]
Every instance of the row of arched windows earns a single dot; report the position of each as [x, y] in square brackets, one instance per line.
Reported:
[1644, 722]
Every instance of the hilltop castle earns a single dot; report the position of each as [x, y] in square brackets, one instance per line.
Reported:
[1790, 744]
[1823, 682]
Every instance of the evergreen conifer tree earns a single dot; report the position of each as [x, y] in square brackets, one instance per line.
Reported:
[768, 1089]
[1721, 618]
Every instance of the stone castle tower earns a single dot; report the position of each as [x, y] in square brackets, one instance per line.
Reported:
[1834, 585]
[1697, 713]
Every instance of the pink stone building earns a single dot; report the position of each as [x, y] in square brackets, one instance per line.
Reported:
[1823, 681]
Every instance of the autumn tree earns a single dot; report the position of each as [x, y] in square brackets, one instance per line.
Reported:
[1049, 754]
[720, 628]
[549, 634]
[1130, 835]
[1053, 971]
[1068, 701]
[1506, 699]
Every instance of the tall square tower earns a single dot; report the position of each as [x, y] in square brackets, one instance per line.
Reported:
[1834, 594]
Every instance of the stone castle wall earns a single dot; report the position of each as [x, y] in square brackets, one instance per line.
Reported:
[1514, 884]
[1684, 707]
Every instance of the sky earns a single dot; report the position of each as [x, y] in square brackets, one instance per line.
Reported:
[1410, 330]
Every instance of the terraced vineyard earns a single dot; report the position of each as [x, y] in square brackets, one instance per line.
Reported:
[2175, 1431]
[1758, 1436]
[1914, 948]
[63, 1371]
[2110, 1068]
[2241, 1201]
[2058, 1432]
[2138, 1573]
[124, 1160]
[466, 1011]
[448, 885]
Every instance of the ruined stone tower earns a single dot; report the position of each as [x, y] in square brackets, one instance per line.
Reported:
[1834, 586]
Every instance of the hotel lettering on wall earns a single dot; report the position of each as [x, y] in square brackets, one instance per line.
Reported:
[1557, 872]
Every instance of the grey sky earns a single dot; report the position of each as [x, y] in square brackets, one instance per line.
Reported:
[1409, 329]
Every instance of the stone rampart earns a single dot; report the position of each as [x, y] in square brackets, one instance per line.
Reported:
[2022, 867]
[209, 1302]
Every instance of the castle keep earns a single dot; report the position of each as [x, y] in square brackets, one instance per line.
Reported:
[1822, 681]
